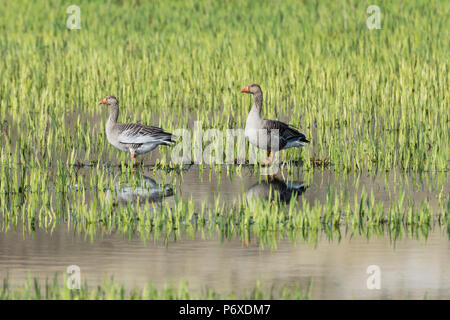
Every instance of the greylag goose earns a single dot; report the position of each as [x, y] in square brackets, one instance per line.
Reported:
[134, 138]
[287, 136]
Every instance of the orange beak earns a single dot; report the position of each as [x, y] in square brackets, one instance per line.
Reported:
[245, 90]
[102, 101]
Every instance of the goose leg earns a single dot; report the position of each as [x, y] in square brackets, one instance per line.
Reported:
[133, 157]
[268, 160]
[271, 154]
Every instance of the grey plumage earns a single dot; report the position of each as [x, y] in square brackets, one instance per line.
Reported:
[286, 133]
[260, 132]
[136, 133]
[135, 138]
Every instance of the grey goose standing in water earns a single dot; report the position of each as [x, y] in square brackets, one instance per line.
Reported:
[134, 138]
[286, 137]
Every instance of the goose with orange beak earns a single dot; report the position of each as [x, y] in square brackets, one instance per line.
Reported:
[271, 135]
[135, 138]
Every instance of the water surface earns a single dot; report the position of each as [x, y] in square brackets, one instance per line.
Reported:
[413, 265]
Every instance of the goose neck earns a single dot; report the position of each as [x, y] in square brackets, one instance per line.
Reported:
[257, 102]
[113, 113]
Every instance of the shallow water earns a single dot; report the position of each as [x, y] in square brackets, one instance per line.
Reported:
[409, 268]
[412, 265]
[206, 185]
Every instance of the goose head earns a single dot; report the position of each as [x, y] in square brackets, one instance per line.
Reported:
[252, 89]
[109, 100]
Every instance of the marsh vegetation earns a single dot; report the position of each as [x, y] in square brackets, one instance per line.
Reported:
[375, 178]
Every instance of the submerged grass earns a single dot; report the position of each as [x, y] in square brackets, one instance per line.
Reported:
[33, 289]
[369, 100]
[95, 209]
[372, 100]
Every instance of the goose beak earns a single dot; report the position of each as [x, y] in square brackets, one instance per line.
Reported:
[102, 101]
[245, 90]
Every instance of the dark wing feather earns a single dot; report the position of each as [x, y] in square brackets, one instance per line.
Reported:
[137, 133]
[285, 131]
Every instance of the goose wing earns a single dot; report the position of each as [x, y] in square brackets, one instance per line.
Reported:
[286, 132]
[137, 133]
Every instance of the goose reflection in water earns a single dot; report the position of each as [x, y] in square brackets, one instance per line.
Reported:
[276, 189]
[147, 190]
[273, 189]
